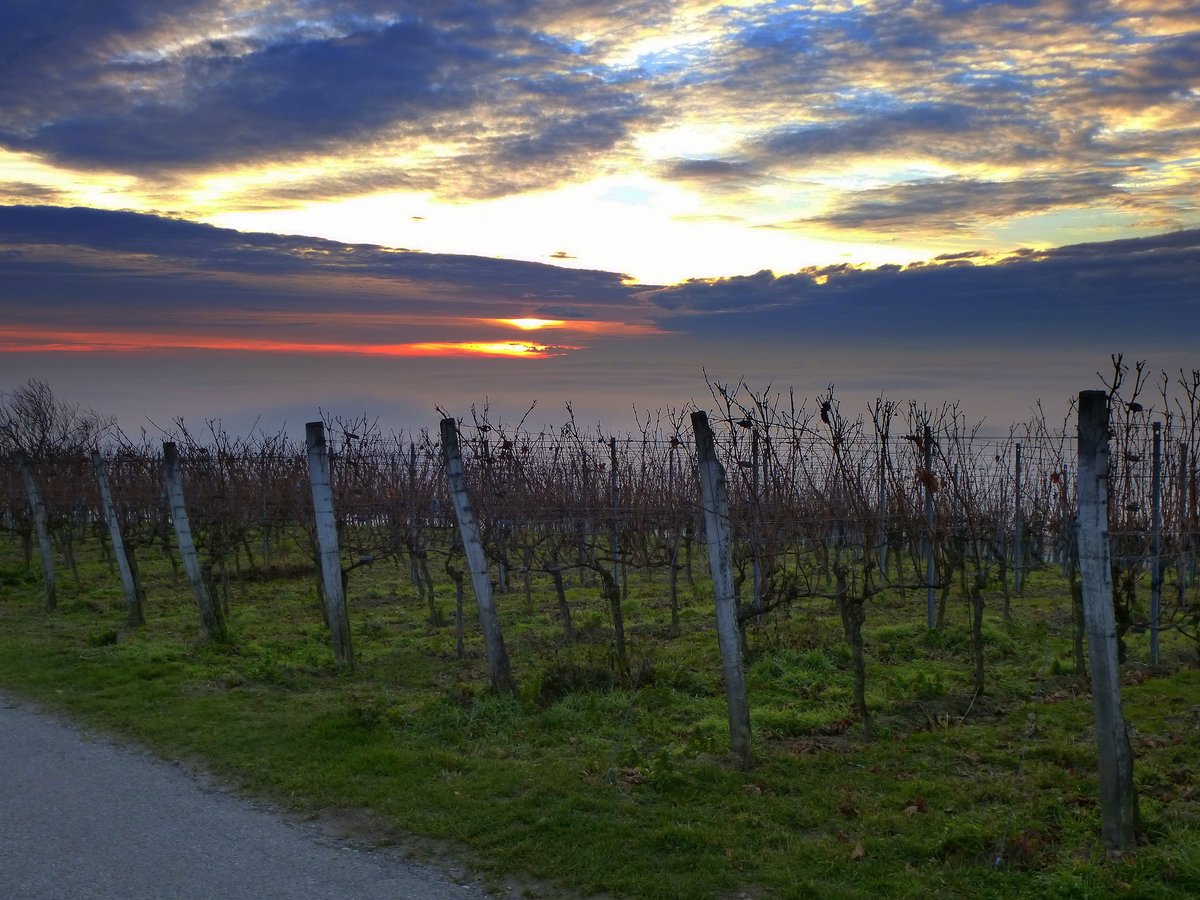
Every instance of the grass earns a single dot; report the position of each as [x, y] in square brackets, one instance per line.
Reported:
[585, 784]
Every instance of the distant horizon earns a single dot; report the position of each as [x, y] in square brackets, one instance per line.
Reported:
[152, 319]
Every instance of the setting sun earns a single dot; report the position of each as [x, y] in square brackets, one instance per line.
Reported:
[532, 324]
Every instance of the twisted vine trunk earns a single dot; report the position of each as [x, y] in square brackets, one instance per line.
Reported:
[854, 614]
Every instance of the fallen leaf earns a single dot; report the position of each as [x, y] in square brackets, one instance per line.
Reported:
[859, 851]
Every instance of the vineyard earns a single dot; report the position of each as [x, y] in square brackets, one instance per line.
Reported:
[899, 572]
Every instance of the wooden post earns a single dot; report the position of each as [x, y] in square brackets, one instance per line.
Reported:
[1018, 528]
[882, 507]
[929, 569]
[133, 594]
[614, 500]
[1184, 541]
[212, 617]
[715, 498]
[1156, 577]
[337, 616]
[41, 524]
[499, 669]
[1118, 799]
[756, 538]
[414, 572]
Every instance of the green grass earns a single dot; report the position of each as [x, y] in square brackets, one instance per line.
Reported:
[586, 784]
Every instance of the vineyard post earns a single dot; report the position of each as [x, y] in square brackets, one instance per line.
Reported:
[1156, 578]
[337, 617]
[266, 517]
[1018, 528]
[881, 548]
[675, 537]
[212, 617]
[1194, 512]
[42, 526]
[715, 498]
[493, 638]
[614, 499]
[1118, 799]
[414, 573]
[1184, 540]
[133, 599]
[929, 483]
[757, 516]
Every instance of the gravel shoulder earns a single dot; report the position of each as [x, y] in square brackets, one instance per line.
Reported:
[83, 816]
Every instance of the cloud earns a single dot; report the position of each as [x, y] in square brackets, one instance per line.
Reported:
[713, 174]
[849, 117]
[27, 192]
[182, 89]
[230, 103]
[875, 131]
[959, 204]
[1088, 295]
[127, 272]
[1034, 94]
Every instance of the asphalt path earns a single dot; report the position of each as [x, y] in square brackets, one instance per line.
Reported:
[82, 816]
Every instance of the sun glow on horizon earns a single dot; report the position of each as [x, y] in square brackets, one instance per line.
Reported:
[531, 324]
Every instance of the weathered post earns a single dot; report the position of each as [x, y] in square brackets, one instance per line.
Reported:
[756, 538]
[133, 594]
[493, 638]
[929, 570]
[1156, 575]
[414, 572]
[1018, 529]
[674, 539]
[212, 617]
[882, 507]
[1184, 540]
[337, 616]
[619, 588]
[1118, 799]
[41, 525]
[715, 497]
[614, 538]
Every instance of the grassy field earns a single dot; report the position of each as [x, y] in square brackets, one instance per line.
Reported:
[585, 784]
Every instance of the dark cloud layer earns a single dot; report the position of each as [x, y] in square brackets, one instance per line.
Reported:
[1099, 294]
[110, 268]
[97, 269]
[207, 248]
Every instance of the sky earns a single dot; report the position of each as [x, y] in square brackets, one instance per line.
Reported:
[254, 209]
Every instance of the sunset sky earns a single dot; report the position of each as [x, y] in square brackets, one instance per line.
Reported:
[252, 209]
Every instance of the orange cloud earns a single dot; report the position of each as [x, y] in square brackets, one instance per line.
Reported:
[15, 339]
